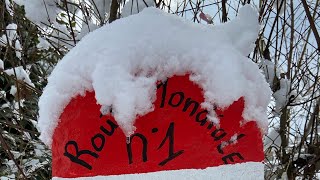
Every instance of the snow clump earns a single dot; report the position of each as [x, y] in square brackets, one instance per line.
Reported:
[122, 62]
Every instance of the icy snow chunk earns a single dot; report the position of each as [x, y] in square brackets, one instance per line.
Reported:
[123, 61]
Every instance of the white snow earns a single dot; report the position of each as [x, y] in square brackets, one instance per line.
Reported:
[1, 65]
[9, 7]
[269, 71]
[243, 171]
[13, 90]
[10, 36]
[135, 6]
[2, 94]
[20, 74]
[121, 62]
[43, 44]
[233, 140]
[282, 95]
[86, 28]
[11, 31]
[10, 177]
[18, 49]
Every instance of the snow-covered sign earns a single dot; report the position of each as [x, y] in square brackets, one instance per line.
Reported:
[154, 96]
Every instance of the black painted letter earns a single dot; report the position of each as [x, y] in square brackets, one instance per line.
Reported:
[164, 92]
[230, 157]
[144, 147]
[217, 136]
[93, 141]
[181, 98]
[188, 103]
[113, 126]
[75, 158]
[172, 154]
[204, 120]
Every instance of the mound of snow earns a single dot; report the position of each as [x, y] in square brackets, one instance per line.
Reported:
[122, 62]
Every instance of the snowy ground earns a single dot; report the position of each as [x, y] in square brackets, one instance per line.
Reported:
[244, 171]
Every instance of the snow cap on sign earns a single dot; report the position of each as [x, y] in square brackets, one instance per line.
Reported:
[122, 62]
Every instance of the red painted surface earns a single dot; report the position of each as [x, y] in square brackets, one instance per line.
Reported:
[81, 121]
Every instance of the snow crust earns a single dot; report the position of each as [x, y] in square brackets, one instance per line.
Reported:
[245, 171]
[121, 62]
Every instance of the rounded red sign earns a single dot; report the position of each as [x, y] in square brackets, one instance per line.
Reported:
[176, 135]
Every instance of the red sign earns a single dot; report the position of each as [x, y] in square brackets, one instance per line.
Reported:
[176, 135]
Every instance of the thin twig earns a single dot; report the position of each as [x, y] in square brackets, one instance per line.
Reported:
[311, 22]
[70, 23]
